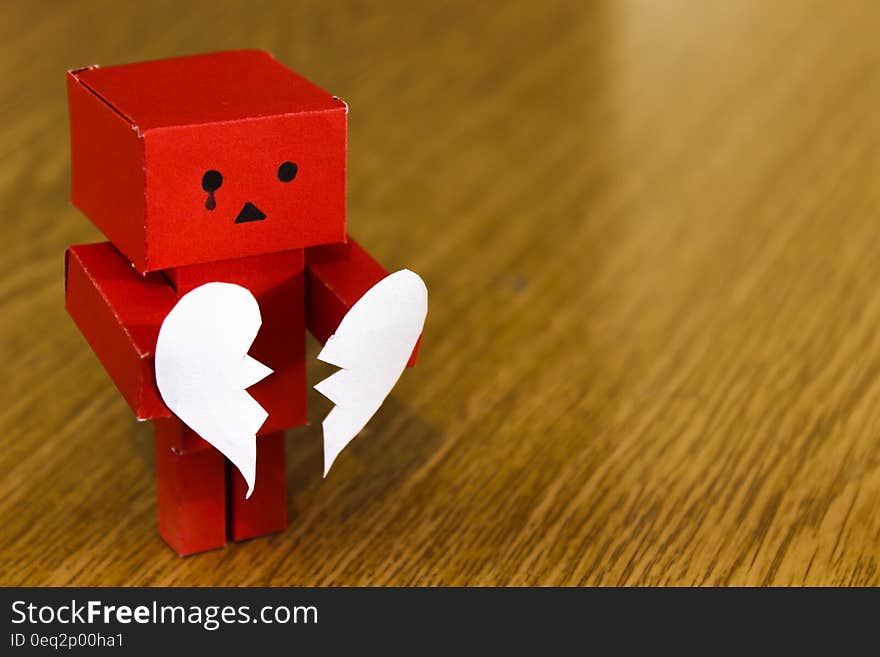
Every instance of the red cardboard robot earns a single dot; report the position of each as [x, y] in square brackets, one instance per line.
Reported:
[223, 167]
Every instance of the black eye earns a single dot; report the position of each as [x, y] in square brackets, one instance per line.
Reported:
[287, 171]
[211, 181]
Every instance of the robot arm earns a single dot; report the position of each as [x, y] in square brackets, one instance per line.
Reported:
[119, 312]
[337, 275]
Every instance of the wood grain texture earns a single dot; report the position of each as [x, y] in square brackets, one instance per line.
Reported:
[651, 233]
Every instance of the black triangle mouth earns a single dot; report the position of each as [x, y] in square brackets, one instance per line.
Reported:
[249, 212]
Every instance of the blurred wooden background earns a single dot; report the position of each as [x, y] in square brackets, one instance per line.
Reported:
[651, 233]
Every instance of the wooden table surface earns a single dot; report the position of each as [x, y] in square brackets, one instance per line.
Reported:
[651, 235]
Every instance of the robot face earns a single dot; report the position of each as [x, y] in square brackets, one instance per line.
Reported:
[207, 158]
[213, 180]
[224, 191]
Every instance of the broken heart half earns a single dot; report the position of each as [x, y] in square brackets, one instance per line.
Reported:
[203, 369]
[372, 346]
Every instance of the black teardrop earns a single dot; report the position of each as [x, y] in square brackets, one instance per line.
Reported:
[210, 204]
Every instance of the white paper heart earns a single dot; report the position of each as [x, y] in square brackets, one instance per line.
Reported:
[202, 370]
[372, 346]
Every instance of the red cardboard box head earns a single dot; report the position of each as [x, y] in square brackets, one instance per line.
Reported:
[205, 158]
